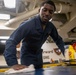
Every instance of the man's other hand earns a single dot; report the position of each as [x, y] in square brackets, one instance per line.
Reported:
[18, 67]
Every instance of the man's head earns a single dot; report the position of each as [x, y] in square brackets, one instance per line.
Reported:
[74, 45]
[46, 10]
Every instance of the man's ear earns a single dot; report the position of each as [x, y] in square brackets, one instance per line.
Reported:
[39, 10]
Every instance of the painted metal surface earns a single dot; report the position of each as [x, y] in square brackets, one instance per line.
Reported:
[58, 70]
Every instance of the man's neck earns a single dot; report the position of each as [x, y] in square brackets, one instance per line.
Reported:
[43, 26]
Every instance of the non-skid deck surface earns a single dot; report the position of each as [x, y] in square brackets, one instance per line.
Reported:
[58, 70]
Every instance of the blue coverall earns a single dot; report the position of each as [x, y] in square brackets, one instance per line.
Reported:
[33, 37]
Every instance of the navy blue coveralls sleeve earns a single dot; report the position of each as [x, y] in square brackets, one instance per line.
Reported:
[32, 36]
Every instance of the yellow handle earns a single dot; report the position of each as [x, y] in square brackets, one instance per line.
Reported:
[3, 70]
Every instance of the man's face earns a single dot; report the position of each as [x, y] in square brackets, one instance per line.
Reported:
[75, 48]
[46, 12]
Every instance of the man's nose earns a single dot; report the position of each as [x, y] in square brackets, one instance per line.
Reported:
[47, 13]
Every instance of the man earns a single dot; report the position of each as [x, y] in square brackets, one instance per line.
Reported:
[72, 51]
[33, 34]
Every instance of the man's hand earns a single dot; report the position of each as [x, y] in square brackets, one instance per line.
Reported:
[18, 67]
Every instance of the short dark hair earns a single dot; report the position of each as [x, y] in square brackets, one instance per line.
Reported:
[48, 2]
[74, 41]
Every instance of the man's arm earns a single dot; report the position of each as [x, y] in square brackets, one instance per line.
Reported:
[10, 49]
[10, 52]
[57, 39]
